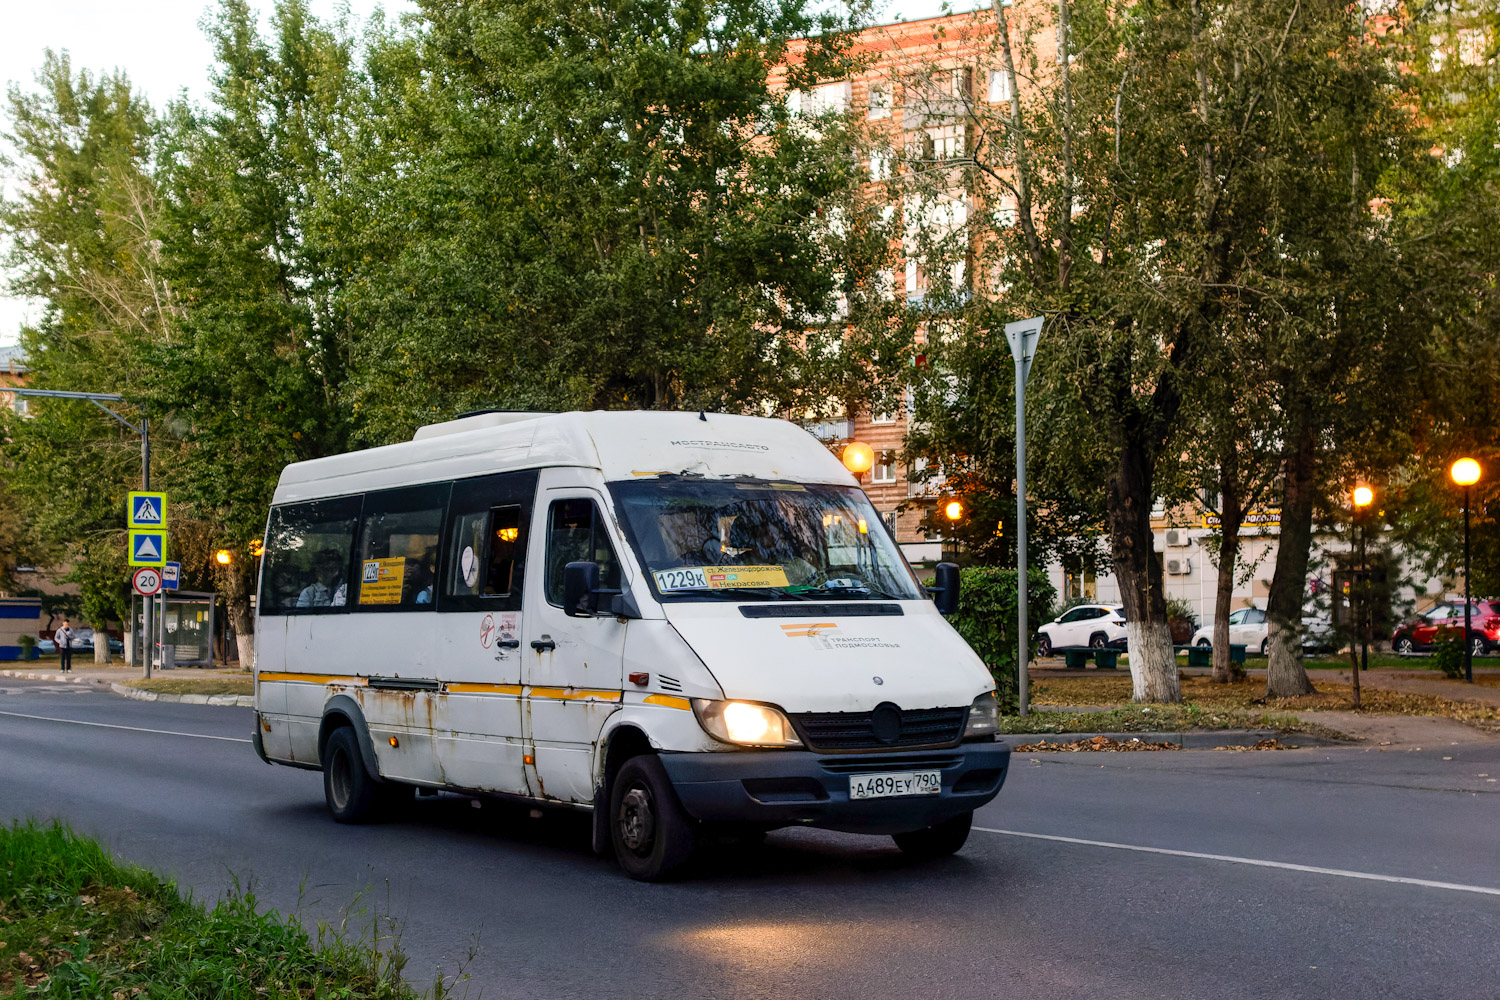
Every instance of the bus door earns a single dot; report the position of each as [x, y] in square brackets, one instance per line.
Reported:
[480, 619]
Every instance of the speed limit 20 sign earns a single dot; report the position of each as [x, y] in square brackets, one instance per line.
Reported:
[146, 581]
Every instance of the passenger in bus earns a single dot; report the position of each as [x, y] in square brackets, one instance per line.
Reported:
[423, 576]
[327, 588]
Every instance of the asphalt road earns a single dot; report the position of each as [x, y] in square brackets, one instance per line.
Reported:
[816, 915]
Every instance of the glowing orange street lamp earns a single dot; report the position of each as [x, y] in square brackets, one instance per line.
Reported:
[1363, 496]
[1465, 472]
[953, 510]
[223, 558]
[859, 457]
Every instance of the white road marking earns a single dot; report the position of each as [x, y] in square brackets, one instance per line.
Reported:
[133, 729]
[1257, 862]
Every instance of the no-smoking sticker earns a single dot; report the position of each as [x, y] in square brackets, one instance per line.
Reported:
[487, 631]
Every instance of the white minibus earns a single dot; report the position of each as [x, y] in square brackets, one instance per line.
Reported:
[688, 624]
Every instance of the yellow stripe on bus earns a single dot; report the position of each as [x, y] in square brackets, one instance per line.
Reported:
[314, 678]
[669, 701]
[465, 688]
[575, 694]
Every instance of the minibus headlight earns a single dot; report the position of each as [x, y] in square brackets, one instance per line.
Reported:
[984, 716]
[746, 723]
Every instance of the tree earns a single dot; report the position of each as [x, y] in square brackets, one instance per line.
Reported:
[615, 207]
[81, 242]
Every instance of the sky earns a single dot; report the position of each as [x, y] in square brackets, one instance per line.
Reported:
[160, 46]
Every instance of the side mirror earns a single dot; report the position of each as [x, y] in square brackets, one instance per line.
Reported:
[580, 581]
[945, 590]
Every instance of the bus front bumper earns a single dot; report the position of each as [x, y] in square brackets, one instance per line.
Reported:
[772, 788]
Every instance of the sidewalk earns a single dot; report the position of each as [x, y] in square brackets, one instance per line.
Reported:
[115, 675]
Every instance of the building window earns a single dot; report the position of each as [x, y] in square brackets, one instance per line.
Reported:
[889, 517]
[882, 417]
[880, 165]
[880, 101]
[999, 86]
[885, 468]
[830, 98]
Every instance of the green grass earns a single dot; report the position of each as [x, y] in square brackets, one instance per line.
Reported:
[75, 923]
[197, 685]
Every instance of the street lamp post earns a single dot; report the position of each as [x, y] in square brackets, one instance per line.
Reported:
[1022, 336]
[1363, 497]
[1465, 473]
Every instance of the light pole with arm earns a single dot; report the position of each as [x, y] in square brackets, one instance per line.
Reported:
[1465, 472]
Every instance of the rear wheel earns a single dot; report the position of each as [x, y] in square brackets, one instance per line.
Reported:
[936, 841]
[652, 834]
[1477, 645]
[1405, 645]
[1098, 640]
[1043, 646]
[352, 795]
[1205, 644]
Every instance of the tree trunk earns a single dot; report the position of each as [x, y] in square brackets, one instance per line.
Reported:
[235, 583]
[1285, 675]
[1231, 515]
[101, 643]
[1153, 665]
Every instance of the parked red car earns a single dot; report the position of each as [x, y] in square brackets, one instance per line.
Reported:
[1421, 632]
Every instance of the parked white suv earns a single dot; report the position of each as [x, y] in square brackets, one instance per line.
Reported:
[1250, 628]
[1096, 625]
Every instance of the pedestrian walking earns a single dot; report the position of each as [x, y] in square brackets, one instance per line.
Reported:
[63, 637]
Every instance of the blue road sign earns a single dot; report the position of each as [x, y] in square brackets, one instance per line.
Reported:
[148, 548]
[146, 510]
[171, 576]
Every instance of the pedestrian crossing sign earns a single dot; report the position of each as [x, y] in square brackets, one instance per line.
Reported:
[146, 510]
[148, 547]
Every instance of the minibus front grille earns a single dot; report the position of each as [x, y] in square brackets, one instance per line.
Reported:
[844, 731]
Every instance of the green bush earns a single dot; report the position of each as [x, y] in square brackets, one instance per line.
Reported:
[1448, 652]
[27, 644]
[986, 619]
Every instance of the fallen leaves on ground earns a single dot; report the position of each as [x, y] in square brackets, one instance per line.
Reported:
[1100, 743]
[1203, 698]
[1272, 744]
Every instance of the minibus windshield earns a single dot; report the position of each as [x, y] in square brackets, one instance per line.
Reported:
[703, 540]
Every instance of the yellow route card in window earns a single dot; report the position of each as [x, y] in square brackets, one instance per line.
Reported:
[380, 581]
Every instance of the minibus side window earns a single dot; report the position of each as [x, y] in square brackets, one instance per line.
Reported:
[306, 567]
[484, 550]
[398, 548]
[484, 554]
[575, 532]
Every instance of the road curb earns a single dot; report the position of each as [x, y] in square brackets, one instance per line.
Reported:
[221, 700]
[1200, 740]
[55, 677]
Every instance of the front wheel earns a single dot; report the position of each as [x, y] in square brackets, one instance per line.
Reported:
[1265, 645]
[1205, 644]
[652, 834]
[1043, 646]
[936, 841]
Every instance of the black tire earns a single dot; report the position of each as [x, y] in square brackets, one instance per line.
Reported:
[1098, 640]
[936, 841]
[352, 795]
[1477, 645]
[1265, 645]
[1205, 644]
[653, 836]
[1043, 646]
[1404, 645]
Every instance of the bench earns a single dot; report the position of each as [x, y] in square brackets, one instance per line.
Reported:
[1077, 657]
[1203, 656]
